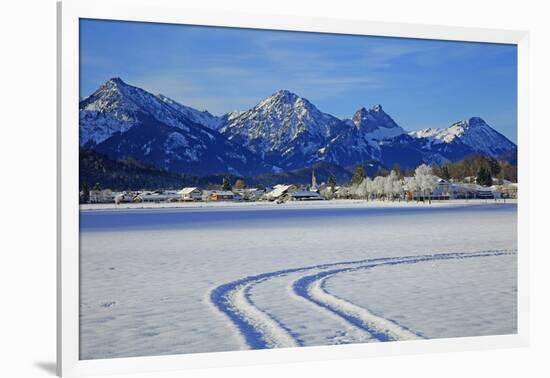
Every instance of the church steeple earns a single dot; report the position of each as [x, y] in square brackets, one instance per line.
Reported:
[313, 181]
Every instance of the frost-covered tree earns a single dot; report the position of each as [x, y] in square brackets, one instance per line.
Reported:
[363, 189]
[392, 185]
[326, 192]
[411, 185]
[370, 188]
[388, 185]
[425, 180]
[378, 186]
[397, 188]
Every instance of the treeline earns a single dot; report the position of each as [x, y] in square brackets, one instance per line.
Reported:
[130, 174]
[474, 166]
[481, 167]
[97, 170]
[100, 171]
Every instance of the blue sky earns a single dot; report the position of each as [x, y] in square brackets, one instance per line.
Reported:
[420, 83]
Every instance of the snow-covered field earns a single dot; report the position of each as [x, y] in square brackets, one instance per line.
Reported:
[298, 204]
[216, 278]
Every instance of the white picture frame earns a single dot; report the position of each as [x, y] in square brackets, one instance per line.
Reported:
[69, 13]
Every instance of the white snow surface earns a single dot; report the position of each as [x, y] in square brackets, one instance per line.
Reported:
[204, 279]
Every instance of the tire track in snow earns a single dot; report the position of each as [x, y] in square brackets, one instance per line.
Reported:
[312, 288]
[262, 330]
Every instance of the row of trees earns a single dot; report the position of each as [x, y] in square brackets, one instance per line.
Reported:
[390, 187]
[469, 168]
[483, 168]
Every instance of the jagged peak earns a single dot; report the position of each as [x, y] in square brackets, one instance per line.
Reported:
[470, 123]
[373, 118]
[363, 112]
[377, 108]
[476, 121]
[283, 95]
[283, 92]
[114, 82]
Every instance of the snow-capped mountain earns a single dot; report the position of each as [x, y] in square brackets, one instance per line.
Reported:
[285, 129]
[360, 140]
[283, 132]
[375, 124]
[123, 121]
[115, 107]
[473, 133]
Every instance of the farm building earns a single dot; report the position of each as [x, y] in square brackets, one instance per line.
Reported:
[280, 191]
[506, 190]
[221, 196]
[190, 194]
[124, 197]
[305, 195]
[249, 194]
[158, 196]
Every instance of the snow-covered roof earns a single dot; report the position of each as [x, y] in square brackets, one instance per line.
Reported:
[223, 193]
[188, 190]
[278, 190]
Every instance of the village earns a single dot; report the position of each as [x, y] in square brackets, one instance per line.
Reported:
[424, 186]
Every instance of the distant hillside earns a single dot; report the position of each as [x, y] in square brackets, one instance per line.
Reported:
[127, 174]
[303, 175]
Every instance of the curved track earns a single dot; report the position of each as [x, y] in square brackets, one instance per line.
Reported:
[262, 329]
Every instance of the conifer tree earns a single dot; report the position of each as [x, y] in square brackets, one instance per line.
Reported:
[358, 175]
[85, 192]
[331, 182]
[484, 177]
[226, 186]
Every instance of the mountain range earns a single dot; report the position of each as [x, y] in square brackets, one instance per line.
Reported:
[282, 133]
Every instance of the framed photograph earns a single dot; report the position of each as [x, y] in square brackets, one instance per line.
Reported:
[238, 189]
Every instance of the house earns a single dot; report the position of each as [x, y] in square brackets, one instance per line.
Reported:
[484, 193]
[342, 192]
[158, 196]
[190, 194]
[249, 194]
[510, 190]
[220, 195]
[279, 191]
[506, 190]
[124, 197]
[442, 191]
[305, 195]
